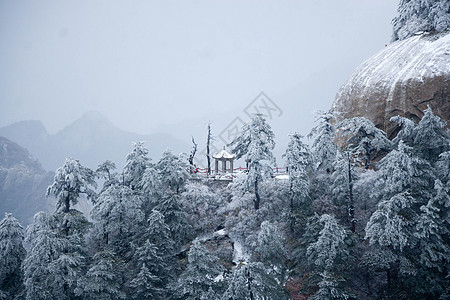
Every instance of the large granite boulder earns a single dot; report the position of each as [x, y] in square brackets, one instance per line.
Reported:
[403, 79]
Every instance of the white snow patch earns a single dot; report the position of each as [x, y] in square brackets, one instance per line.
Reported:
[218, 278]
[282, 177]
[239, 256]
[220, 232]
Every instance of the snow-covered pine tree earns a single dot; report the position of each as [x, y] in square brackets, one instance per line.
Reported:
[255, 144]
[72, 180]
[158, 235]
[150, 282]
[420, 15]
[12, 254]
[430, 139]
[106, 171]
[432, 232]
[200, 273]
[299, 162]
[144, 285]
[327, 254]
[330, 246]
[136, 163]
[443, 167]
[390, 231]
[363, 138]
[46, 246]
[401, 187]
[251, 281]
[272, 250]
[399, 171]
[201, 204]
[102, 280]
[406, 130]
[323, 148]
[392, 224]
[118, 217]
[172, 171]
[175, 217]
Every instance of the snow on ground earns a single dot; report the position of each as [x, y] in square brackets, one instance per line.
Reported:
[220, 232]
[218, 278]
[282, 177]
[238, 255]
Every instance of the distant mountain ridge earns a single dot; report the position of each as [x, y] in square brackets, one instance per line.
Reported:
[23, 182]
[91, 139]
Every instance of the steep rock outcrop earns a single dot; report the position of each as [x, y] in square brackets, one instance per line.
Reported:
[402, 79]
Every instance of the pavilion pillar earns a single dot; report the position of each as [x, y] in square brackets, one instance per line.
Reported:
[224, 166]
[216, 166]
[231, 166]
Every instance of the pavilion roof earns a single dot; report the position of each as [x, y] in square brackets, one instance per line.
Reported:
[224, 155]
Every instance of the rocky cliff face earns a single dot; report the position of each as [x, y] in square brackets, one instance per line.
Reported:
[403, 79]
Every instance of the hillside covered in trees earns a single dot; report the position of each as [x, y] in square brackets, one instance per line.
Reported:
[366, 221]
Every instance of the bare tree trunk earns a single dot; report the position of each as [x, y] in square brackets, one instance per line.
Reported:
[257, 198]
[192, 155]
[208, 141]
[351, 208]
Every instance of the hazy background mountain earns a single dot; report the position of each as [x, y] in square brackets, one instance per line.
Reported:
[23, 182]
[91, 139]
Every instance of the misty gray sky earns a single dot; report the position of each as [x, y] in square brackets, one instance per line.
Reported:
[149, 65]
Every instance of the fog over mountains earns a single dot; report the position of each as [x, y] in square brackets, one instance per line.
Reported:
[90, 139]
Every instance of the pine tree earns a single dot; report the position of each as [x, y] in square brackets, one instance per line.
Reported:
[144, 285]
[198, 278]
[12, 253]
[443, 167]
[46, 247]
[327, 254]
[175, 217]
[251, 281]
[119, 216]
[201, 204]
[72, 180]
[363, 138]
[255, 145]
[159, 234]
[102, 280]
[150, 282]
[420, 15]
[430, 139]
[157, 252]
[136, 163]
[324, 148]
[172, 171]
[401, 171]
[106, 172]
[432, 233]
[299, 162]
[406, 130]
[271, 249]
[392, 224]
[343, 178]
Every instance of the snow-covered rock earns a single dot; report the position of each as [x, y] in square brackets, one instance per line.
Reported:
[402, 79]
